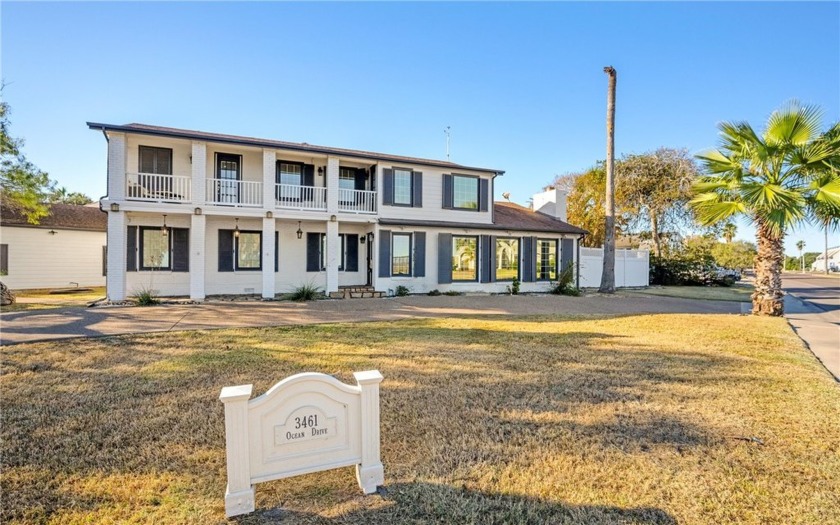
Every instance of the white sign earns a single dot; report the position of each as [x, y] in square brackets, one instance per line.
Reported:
[305, 423]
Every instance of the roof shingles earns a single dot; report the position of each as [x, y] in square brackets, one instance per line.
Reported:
[61, 216]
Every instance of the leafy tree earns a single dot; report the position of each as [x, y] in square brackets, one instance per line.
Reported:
[22, 185]
[585, 202]
[776, 179]
[736, 255]
[61, 195]
[656, 188]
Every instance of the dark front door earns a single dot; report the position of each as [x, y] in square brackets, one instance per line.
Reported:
[228, 174]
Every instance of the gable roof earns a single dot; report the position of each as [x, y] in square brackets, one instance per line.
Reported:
[506, 216]
[271, 143]
[61, 217]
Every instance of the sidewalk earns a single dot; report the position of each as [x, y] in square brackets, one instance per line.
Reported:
[62, 323]
[818, 329]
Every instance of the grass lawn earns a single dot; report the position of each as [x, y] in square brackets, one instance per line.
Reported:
[635, 419]
[42, 299]
[738, 292]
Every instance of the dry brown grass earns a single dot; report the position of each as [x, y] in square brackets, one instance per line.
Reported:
[43, 299]
[534, 420]
[739, 292]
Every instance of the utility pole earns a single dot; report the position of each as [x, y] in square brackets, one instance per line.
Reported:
[608, 274]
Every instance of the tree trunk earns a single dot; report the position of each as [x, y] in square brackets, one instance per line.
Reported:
[767, 299]
[608, 273]
[826, 247]
[654, 226]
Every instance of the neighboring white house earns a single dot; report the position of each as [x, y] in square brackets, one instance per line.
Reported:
[67, 248]
[195, 214]
[833, 261]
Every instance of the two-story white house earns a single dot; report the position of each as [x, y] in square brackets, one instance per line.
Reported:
[198, 214]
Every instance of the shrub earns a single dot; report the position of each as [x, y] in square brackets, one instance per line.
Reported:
[146, 297]
[452, 293]
[306, 292]
[435, 292]
[565, 283]
[687, 270]
[402, 291]
[514, 287]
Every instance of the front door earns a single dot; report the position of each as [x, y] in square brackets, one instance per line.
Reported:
[228, 173]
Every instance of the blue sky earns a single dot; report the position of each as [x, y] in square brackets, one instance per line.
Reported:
[521, 85]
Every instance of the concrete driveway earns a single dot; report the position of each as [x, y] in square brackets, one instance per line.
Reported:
[61, 323]
[812, 307]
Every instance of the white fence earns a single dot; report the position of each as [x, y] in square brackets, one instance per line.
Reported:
[632, 267]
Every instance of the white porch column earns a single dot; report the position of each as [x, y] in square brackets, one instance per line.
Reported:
[115, 280]
[116, 167]
[268, 258]
[199, 173]
[269, 179]
[333, 256]
[198, 229]
[332, 185]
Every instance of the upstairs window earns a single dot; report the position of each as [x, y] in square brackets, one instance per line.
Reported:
[465, 192]
[402, 187]
[155, 160]
[288, 173]
[347, 179]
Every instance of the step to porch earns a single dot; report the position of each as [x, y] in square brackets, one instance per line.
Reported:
[356, 292]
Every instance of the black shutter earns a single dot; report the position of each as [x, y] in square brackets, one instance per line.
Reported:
[351, 245]
[419, 254]
[484, 266]
[225, 250]
[4, 259]
[417, 189]
[385, 251]
[529, 259]
[131, 249]
[180, 249]
[492, 256]
[276, 251]
[566, 255]
[388, 186]
[104, 260]
[448, 201]
[313, 252]
[308, 174]
[361, 176]
[483, 194]
[444, 257]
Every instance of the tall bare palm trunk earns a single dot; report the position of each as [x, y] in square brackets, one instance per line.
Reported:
[767, 299]
[608, 272]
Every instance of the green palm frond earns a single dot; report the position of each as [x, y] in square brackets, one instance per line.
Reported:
[793, 124]
[712, 208]
[715, 161]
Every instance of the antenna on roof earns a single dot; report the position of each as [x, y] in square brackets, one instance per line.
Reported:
[506, 196]
[447, 142]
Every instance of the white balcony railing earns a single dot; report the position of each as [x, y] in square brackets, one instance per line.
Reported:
[234, 192]
[357, 201]
[297, 197]
[154, 187]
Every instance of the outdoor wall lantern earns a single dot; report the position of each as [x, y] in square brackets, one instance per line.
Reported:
[236, 229]
[198, 211]
[333, 218]
[362, 239]
[115, 206]
[269, 215]
[163, 230]
[299, 232]
[321, 171]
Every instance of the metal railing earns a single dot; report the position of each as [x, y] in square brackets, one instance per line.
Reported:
[298, 197]
[155, 187]
[234, 192]
[357, 201]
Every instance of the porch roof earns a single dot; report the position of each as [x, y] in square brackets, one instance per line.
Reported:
[271, 143]
[506, 216]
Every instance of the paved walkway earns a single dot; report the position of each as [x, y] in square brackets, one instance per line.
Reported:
[62, 323]
[818, 327]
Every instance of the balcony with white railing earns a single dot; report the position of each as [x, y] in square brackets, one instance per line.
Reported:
[296, 197]
[153, 187]
[229, 192]
[356, 201]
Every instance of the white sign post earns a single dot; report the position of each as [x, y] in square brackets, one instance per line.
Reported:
[305, 423]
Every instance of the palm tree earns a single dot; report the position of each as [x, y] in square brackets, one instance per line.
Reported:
[608, 273]
[800, 245]
[729, 231]
[776, 180]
